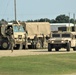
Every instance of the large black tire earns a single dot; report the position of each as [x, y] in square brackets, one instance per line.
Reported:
[17, 47]
[74, 49]
[5, 45]
[38, 45]
[56, 49]
[49, 47]
[68, 46]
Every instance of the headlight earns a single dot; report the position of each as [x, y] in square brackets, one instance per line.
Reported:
[62, 41]
[52, 41]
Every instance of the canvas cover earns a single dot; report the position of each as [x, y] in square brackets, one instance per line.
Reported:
[37, 28]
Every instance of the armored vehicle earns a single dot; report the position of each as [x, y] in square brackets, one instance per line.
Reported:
[65, 40]
[37, 34]
[16, 36]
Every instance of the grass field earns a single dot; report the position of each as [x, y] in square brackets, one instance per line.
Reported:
[53, 64]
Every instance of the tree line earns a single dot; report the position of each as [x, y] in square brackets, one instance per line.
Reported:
[59, 19]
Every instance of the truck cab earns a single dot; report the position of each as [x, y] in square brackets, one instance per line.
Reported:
[18, 34]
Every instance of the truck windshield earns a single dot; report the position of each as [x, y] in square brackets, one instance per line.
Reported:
[62, 28]
[18, 28]
[66, 35]
[55, 35]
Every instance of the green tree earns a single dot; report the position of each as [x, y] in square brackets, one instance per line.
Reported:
[62, 19]
[52, 21]
[3, 22]
[71, 20]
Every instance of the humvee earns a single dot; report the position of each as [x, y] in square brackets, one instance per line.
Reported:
[60, 40]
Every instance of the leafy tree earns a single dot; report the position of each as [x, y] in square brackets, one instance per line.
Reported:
[71, 20]
[52, 21]
[3, 22]
[44, 20]
[62, 19]
[29, 20]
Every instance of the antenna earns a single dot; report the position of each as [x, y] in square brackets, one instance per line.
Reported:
[15, 9]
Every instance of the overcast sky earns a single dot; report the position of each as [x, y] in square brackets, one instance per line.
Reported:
[36, 9]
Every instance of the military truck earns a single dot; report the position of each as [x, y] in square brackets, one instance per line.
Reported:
[65, 40]
[37, 34]
[17, 33]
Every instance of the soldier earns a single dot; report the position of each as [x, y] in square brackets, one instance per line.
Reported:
[10, 38]
[26, 41]
[43, 38]
[35, 41]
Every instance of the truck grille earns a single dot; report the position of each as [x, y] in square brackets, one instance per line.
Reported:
[57, 41]
[20, 36]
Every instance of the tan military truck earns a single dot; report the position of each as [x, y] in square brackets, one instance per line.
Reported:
[65, 40]
[37, 34]
[17, 34]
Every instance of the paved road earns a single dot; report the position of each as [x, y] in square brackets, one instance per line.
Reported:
[31, 52]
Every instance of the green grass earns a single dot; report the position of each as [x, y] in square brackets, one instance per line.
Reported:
[39, 65]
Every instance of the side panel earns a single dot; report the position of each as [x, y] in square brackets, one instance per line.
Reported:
[39, 28]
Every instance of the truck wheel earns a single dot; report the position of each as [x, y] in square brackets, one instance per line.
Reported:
[68, 46]
[38, 45]
[17, 46]
[5, 45]
[74, 48]
[56, 49]
[49, 47]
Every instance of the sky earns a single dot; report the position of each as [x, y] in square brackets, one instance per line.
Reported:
[36, 9]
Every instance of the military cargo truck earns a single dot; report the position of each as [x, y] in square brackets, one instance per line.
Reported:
[37, 34]
[65, 40]
[16, 36]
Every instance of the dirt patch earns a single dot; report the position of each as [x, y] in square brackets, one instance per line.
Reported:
[30, 52]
